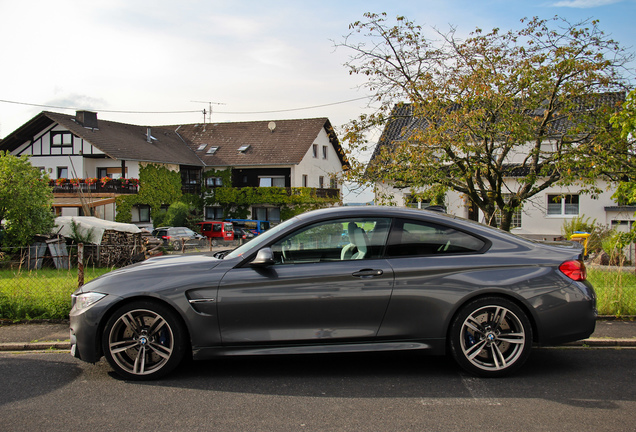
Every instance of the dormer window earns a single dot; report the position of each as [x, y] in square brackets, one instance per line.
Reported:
[201, 147]
[212, 150]
[243, 148]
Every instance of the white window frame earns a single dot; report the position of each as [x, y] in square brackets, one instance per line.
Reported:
[565, 208]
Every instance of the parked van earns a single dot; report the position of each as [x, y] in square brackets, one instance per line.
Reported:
[255, 226]
[218, 231]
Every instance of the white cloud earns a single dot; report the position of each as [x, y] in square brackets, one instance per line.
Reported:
[584, 4]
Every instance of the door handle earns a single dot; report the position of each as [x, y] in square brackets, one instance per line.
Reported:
[368, 273]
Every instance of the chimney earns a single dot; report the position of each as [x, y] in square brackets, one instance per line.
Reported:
[149, 136]
[88, 119]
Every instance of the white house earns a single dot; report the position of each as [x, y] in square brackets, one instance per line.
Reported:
[542, 216]
[91, 162]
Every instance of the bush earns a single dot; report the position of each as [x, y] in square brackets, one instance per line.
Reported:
[598, 232]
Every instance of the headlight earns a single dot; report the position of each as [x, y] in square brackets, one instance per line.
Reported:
[83, 301]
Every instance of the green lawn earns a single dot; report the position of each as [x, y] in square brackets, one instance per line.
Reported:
[45, 294]
[42, 294]
[615, 291]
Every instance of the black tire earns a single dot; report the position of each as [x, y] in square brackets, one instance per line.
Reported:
[491, 337]
[176, 245]
[144, 340]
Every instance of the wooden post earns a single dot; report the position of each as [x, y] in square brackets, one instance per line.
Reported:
[80, 265]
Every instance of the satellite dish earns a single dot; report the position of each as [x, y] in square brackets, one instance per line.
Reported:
[271, 126]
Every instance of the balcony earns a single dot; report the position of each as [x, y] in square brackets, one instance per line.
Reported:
[94, 185]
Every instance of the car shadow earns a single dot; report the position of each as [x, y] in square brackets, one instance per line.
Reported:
[579, 378]
[24, 378]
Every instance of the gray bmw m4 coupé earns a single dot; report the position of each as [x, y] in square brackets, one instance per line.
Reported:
[346, 279]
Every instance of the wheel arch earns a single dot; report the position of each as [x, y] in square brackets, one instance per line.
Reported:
[148, 298]
[518, 301]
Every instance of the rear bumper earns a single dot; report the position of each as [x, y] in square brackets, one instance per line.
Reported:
[570, 315]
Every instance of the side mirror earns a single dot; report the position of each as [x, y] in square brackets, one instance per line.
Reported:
[264, 257]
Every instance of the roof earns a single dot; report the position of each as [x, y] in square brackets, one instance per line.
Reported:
[119, 141]
[402, 124]
[286, 143]
[280, 142]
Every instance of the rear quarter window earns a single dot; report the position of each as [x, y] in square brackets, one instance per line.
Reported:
[416, 238]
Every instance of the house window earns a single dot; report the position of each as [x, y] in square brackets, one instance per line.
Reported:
[304, 180]
[516, 217]
[190, 176]
[321, 182]
[563, 205]
[61, 139]
[114, 173]
[333, 183]
[271, 181]
[315, 150]
[142, 213]
[324, 152]
[62, 172]
[213, 213]
[213, 182]
[266, 213]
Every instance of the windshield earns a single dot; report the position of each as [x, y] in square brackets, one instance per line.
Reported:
[260, 240]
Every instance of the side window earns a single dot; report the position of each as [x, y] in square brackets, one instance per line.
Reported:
[336, 240]
[415, 238]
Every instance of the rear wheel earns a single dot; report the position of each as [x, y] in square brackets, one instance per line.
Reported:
[491, 337]
[177, 245]
[144, 340]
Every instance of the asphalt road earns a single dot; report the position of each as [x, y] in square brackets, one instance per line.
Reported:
[568, 389]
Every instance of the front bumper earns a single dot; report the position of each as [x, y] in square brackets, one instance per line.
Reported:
[86, 328]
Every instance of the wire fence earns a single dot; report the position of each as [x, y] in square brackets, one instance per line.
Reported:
[54, 262]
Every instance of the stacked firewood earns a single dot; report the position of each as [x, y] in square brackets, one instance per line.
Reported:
[120, 248]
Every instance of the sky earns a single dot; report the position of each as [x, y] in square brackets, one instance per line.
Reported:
[163, 62]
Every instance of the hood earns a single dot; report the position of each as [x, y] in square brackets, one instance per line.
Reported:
[154, 274]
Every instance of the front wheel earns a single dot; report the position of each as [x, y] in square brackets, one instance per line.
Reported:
[144, 340]
[491, 337]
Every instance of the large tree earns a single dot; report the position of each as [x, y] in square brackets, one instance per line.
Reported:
[25, 201]
[530, 104]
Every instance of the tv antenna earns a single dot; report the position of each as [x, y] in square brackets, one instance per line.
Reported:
[209, 113]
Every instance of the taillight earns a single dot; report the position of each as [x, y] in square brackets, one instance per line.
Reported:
[575, 270]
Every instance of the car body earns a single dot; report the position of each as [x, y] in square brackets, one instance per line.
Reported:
[406, 280]
[217, 231]
[175, 237]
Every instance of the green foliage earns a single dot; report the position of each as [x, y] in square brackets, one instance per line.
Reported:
[177, 214]
[157, 186]
[625, 193]
[236, 201]
[483, 99]
[625, 119]
[25, 200]
[79, 236]
[614, 244]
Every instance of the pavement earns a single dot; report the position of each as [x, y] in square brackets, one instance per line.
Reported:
[39, 336]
